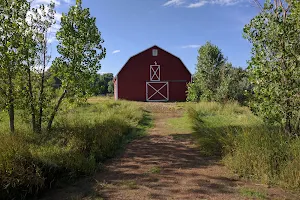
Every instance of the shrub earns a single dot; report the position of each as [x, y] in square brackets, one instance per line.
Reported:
[249, 148]
[19, 174]
[215, 125]
[80, 139]
[258, 153]
[290, 173]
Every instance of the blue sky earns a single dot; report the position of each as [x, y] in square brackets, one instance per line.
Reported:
[178, 26]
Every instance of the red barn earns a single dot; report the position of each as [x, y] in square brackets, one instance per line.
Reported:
[152, 75]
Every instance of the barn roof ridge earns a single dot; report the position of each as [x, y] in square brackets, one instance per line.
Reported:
[151, 48]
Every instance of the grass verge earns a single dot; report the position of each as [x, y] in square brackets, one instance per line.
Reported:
[248, 147]
[81, 140]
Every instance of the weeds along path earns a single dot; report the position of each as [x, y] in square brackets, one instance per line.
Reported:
[164, 165]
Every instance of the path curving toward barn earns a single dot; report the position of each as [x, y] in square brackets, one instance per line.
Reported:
[163, 165]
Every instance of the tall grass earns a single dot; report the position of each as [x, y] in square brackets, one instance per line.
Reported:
[81, 139]
[249, 147]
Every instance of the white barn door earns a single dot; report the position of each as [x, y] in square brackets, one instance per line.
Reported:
[156, 90]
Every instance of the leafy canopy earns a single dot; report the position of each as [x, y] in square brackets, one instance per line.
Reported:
[275, 64]
[80, 48]
[215, 78]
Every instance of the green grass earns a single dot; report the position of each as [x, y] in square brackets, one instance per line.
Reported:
[180, 124]
[253, 194]
[131, 184]
[155, 170]
[81, 139]
[215, 125]
[247, 146]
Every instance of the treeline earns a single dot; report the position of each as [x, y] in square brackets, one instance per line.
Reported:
[103, 84]
[26, 83]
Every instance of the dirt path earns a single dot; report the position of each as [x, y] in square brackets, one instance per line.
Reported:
[165, 165]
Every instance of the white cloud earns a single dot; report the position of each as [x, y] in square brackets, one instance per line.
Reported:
[174, 2]
[68, 1]
[36, 3]
[116, 51]
[52, 32]
[200, 3]
[216, 2]
[57, 16]
[197, 4]
[191, 46]
[226, 2]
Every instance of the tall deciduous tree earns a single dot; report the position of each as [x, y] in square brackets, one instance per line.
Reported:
[275, 64]
[216, 79]
[40, 20]
[80, 48]
[13, 35]
[207, 76]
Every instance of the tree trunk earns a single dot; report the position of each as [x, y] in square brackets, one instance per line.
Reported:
[11, 109]
[41, 98]
[288, 125]
[33, 122]
[55, 110]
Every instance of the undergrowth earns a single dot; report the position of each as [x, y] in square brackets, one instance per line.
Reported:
[79, 142]
[247, 146]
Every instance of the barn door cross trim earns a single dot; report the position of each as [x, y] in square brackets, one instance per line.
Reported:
[155, 72]
[158, 91]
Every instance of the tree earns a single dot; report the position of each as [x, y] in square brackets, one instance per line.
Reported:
[40, 20]
[80, 48]
[207, 76]
[216, 79]
[239, 86]
[110, 87]
[101, 83]
[275, 64]
[13, 36]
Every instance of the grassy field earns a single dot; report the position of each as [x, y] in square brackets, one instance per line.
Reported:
[85, 136]
[82, 138]
[247, 146]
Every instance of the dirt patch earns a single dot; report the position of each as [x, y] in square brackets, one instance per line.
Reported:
[165, 166]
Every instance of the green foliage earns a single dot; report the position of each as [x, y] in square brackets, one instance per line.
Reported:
[80, 48]
[13, 42]
[81, 139]
[250, 148]
[103, 84]
[215, 125]
[155, 170]
[275, 64]
[110, 87]
[19, 174]
[37, 92]
[250, 193]
[215, 79]
[210, 62]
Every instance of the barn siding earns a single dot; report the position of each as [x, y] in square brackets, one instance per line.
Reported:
[131, 80]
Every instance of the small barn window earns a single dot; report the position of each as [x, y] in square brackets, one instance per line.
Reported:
[154, 52]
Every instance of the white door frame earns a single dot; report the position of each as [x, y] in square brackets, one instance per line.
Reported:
[155, 74]
[157, 91]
